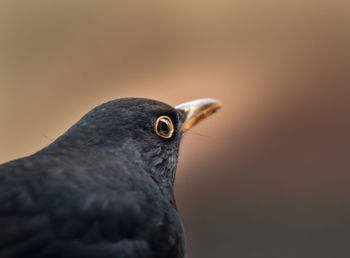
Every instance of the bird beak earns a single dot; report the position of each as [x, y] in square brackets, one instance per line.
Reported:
[197, 110]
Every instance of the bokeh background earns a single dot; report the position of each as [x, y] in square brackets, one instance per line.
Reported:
[268, 175]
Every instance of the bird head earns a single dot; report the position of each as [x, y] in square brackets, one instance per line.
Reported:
[137, 132]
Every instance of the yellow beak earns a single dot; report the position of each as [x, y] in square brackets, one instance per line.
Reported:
[197, 110]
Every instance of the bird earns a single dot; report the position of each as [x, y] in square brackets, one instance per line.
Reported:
[104, 188]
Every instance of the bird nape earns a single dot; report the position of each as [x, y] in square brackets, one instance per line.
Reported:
[102, 189]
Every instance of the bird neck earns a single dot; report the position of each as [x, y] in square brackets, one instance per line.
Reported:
[117, 160]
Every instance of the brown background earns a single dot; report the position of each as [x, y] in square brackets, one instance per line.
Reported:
[269, 175]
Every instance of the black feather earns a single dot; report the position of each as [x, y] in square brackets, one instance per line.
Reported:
[102, 189]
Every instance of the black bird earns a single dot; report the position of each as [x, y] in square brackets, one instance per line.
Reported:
[104, 188]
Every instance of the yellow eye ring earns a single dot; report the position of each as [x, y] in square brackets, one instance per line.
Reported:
[164, 127]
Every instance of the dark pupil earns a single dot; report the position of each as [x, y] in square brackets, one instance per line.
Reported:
[164, 127]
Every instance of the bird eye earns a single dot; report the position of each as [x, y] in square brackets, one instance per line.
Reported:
[164, 127]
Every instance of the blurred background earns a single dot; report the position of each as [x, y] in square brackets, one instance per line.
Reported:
[268, 175]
